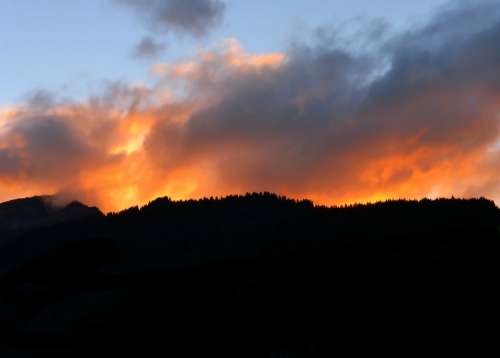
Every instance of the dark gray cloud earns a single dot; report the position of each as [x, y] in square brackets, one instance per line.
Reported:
[149, 48]
[9, 162]
[336, 122]
[192, 17]
[51, 150]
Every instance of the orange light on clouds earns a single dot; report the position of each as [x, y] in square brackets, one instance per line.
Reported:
[132, 132]
[6, 116]
[130, 177]
[230, 55]
[131, 154]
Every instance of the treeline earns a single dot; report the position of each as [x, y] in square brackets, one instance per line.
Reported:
[254, 260]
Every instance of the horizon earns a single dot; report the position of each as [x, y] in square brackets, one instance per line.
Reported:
[60, 203]
[338, 104]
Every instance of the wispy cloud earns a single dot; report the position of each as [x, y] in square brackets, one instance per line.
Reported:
[149, 48]
[192, 17]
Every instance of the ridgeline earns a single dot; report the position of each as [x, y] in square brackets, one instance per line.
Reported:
[259, 264]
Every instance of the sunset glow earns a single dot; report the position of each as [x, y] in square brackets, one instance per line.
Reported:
[405, 118]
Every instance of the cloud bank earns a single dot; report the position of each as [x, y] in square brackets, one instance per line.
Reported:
[416, 115]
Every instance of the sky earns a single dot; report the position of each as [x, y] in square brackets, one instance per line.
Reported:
[116, 102]
[71, 47]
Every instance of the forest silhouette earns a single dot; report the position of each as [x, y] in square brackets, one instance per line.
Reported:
[173, 271]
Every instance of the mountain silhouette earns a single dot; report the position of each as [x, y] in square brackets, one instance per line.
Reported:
[260, 265]
[24, 214]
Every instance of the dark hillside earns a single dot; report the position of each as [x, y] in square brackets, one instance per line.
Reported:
[24, 214]
[168, 271]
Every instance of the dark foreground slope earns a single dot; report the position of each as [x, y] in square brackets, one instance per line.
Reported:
[18, 216]
[236, 270]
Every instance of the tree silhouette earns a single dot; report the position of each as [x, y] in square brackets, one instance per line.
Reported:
[254, 260]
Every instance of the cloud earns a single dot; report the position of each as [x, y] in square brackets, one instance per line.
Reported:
[149, 48]
[80, 149]
[214, 66]
[191, 17]
[415, 115]
[330, 124]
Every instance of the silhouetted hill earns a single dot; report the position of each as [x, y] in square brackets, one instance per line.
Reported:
[260, 265]
[24, 214]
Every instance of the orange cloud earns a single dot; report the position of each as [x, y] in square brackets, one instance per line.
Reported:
[228, 57]
[6, 117]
